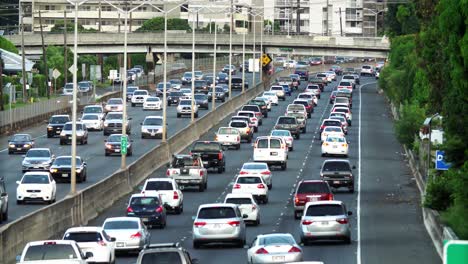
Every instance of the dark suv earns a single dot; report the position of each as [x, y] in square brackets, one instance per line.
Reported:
[55, 125]
[310, 191]
[212, 154]
[289, 123]
[3, 201]
[338, 173]
[173, 98]
[260, 103]
[165, 253]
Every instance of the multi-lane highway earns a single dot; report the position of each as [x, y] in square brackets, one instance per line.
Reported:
[99, 166]
[386, 221]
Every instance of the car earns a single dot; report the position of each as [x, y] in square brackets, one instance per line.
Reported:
[55, 124]
[345, 85]
[343, 100]
[295, 81]
[36, 186]
[84, 86]
[53, 251]
[256, 109]
[377, 74]
[94, 109]
[3, 201]
[367, 70]
[20, 143]
[198, 75]
[329, 122]
[246, 132]
[289, 64]
[228, 68]
[346, 110]
[113, 124]
[201, 100]
[186, 93]
[201, 86]
[130, 90]
[152, 127]
[244, 66]
[219, 94]
[95, 240]
[271, 96]
[266, 100]
[229, 136]
[149, 208]
[335, 145]
[212, 154]
[236, 83]
[286, 135]
[316, 61]
[287, 89]
[333, 96]
[331, 131]
[186, 78]
[350, 78]
[130, 233]
[279, 90]
[171, 196]
[185, 108]
[258, 168]
[301, 120]
[302, 65]
[37, 159]
[114, 105]
[61, 169]
[218, 222]
[261, 104]
[247, 205]
[160, 88]
[331, 76]
[67, 89]
[173, 97]
[310, 191]
[139, 97]
[176, 84]
[165, 253]
[310, 97]
[208, 78]
[81, 133]
[271, 150]
[92, 122]
[152, 103]
[337, 69]
[112, 145]
[325, 220]
[252, 118]
[289, 123]
[307, 103]
[342, 119]
[187, 171]
[274, 248]
[338, 173]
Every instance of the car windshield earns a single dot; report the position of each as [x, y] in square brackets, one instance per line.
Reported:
[253, 108]
[38, 153]
[112, 116]
[152, 99]
[271, 240]
[280, 133]
[276, 88]
[114, 138]
[341, 110]
[200, 97]
[238, 124]
[50, 252]
[188, 75]
[130, 90]
[68, 86]
[236, 80]
[284, 79]
[254, 166]
[331, 123]
[137, 92]
[199, 83]
[66, 161]
[312, 87]
[59, 119]
[68, 126]
[83, 237]
[206, 146]
[239, 200]
[216, 213]
[90, 117]
[176, 94]
[175, 81]
[152, 122]
[114, 101]
[304, 103]
[219, 89]
[35, 179]
[269, 94]
[123, 224]
[286, 120]
[180, 162]
[222, 75]
[93, 109]
[348, 77]
[336, 139]
[344, 84]
[185, 102]
[339, 118]
[325, 210]
[161, 257]
[148, 201]
[228, 131]
[315, 187]
[336, 166]
[249, 180]
[366, 67]
[158, 186]
[83, 84]
[21, 138]
[306, 96]
[332, 129]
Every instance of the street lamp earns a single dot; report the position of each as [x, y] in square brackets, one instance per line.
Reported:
[375, 13]
[213, 91]
[230, 49]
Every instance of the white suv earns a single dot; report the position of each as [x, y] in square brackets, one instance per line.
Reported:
[171, 195]
[271, 150]
[367, 70]
[35, 186]
[252, 184]
[139, 97]
[247, 206]
[95, 240]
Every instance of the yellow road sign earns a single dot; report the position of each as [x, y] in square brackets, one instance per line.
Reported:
[266, 59]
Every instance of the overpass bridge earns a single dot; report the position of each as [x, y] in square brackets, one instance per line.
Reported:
[138, 42]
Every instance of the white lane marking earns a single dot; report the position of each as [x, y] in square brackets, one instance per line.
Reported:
[3, 150]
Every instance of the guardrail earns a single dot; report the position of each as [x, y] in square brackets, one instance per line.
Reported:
[52, 221]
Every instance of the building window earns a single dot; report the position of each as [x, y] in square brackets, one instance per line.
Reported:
[353, 23]
[49, 7]
[106, 8]
[85, 8]
[106, 22]
[49, 21]
[142, 9]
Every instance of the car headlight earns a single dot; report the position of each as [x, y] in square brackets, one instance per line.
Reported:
[108, 146]
[26, 162]
[78, 170]
[11, 145]
[62, 134]
[49, 128]
[105, 124]
[80, 133]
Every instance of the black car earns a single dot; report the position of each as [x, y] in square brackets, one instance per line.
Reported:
[220, 94]
[55, 125]
[112, 145]
[20, 143]
[260, 103]
[174, 97]
[149, 208]
[201, 100]
[208, 78]
[222, 78]
[61, 169]
[246, 65]
[303, 74]
[236, 83]
[130, 91]
[201, 86]
[212, 154]
[338, 173]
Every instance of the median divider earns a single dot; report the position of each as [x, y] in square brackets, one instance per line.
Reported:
[52, 221]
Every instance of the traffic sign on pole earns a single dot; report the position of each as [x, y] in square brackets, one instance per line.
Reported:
[440, 163]
[56, 73]
[266, 59]
[123, 145]
[456, 252]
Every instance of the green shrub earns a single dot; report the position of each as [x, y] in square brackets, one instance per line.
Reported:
[410, 121]
[438, 192]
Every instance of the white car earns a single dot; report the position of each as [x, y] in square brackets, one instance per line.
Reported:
[93, 239]
[94, 109]
[367, 70]
[172, 197]
[36, 186]
[308, 97]
[247, 206]
[272, 150]
[185, 108]
[313, 89]
[335, 145]
[139, 97]
[349, 115]
[271, 96]
[229, 136]
[332, 75]
[274, 248]
[258, 168]
[114, 105]
[331, 131]
[152, 127]
[187, 92]
[252, 117]
[286, 135]
[53, 251]
[152, 103]
[130, 233]
[279, 90]
[289, 64]
[344, 122]
[93, 121]
[252, 184]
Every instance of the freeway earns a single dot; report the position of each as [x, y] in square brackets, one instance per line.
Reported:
[93, 153]
[387, 225]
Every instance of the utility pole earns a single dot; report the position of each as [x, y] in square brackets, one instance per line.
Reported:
[1, 84]
[44, 57]
[341, 24]
[328, 17]
[65, 48]
[298, 17]
[23, 60]
[100, 17]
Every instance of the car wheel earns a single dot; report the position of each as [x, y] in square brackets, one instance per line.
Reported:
[304, 241]
[206, 185]
[250, 139]
[200, 187]
[291, 148]
[265, 115]
[196, 115]
[19, 202]
[49, 136]
[5, 215]
[163, 225]
[241, 243]
[133, 105]
[61, 142]
[304, 130]
[255, 129]
[351, 189]
[106, 154]
[297, 215]
[178, 115]
[237, 146]
[298, 136]
[196, 244]
[257, 222]
[347, 240]
[220, 169]
[284, 166]
[270, 186]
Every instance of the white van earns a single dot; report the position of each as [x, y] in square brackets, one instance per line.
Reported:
[271, 150]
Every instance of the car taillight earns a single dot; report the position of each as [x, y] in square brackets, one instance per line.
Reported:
[307, 222]
[190, 153]
[243, 172]
[325, 143]
[342, 221]
[220, 155]
[199, 224]
[248, 130]
[265, 173]
[136, 235]
[254, 119]
[237, 186]
[261, 251]
[322, 127]
[254, 207]
[344, 145]
[102, 243]
[234, 223]
[216, 138]
[330, 197]
[295, 250]
[175, 196]
[202, 173]
[159, 209]
[238, 138]
[168, 173]
[296, 200]
[261, 186]
[129, 210]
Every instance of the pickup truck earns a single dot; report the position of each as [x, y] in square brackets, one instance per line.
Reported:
[211, 153]
[287, 80]
[289, 123]
[188, 170]
[53, 252]
[319, 81]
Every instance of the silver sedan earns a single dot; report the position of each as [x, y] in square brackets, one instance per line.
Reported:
[130, 233]
[274, 248]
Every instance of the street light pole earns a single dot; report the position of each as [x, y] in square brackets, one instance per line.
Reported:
[213, 91]
[164, 103]
[253, 53]
[230, 51]
[261, 49]
[193, 69]
[123, 164]
[243, 60]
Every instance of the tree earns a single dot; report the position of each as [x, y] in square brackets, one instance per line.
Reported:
[157, 24]
[59, 24]
[7, 45]
[276, 27]
[226, 28]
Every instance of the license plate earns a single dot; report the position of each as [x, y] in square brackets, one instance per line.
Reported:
[69, 137]
[152, 134]
[175, 101]
[117, 150]
[324, 223]
[184, 181]
[145, 219]
[33, 195]
[36, 167]
[278, 258]
[336, 182]
[205, 162]
[57, 132]
[335, 147]
[120, 244]
[18, 148]
[274, 153]
[216, 226]
[64, 175]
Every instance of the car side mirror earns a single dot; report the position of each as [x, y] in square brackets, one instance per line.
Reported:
[18, 182]
[194, 217]
[18, 258]
[245, 216]
[113, 239]
[84, 164]
[348, 142]
[140, 188]
[3, 194]
[88, 255]
[354, 167]
[350, 213]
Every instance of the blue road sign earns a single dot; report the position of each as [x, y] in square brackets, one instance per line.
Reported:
[440, 163]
